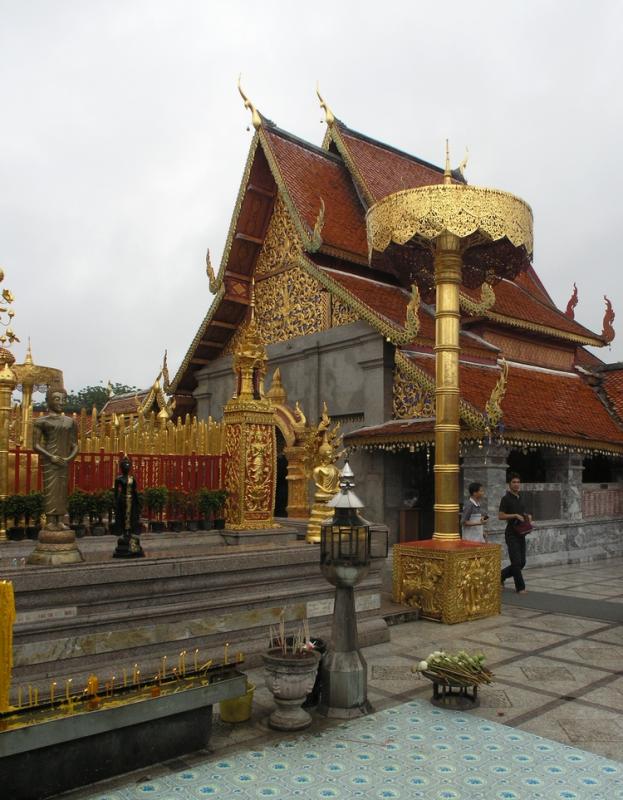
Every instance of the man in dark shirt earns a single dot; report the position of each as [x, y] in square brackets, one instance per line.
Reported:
[512, 510]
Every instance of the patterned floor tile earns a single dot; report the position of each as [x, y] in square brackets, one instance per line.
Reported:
[408, 751]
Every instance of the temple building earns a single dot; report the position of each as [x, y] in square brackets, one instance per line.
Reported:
[356, 334]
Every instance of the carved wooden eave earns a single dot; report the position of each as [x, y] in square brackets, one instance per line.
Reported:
[544, 330]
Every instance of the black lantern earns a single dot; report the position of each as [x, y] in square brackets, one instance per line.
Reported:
[345, 539]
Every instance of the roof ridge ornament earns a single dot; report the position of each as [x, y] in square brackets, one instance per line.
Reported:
[256, 119]
[329, 116]
[607, 333]
[573, 301]
[463, 165]
[315, 243]
[210, 273]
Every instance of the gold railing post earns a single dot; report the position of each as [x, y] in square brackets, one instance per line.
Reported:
[447, 319]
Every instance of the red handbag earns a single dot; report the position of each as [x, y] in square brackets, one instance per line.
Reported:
[523, 528]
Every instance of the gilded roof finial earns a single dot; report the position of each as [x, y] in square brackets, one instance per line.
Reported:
[607, 333]
[447, 174]
[165, 373]
[329, 117]
[28, 359]
[210, 273]
[573, 301]
[255, 115]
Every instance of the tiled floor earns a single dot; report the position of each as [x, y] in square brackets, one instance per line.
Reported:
[556, 676]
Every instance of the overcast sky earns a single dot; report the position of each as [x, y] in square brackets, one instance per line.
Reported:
[123, 141]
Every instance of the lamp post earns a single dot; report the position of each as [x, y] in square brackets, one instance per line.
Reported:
[345, 544]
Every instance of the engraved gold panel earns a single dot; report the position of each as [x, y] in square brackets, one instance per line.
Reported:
[281, 245]
[411, 398]
[448, 584]
[341, 314]
[288, 305]
[464, 211]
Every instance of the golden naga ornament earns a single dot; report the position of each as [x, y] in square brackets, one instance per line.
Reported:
[213, 282]
[476, 308]
[493, 407]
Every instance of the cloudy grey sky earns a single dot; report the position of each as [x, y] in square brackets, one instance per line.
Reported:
[123, 140]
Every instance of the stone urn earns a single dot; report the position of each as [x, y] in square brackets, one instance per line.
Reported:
[290, 677]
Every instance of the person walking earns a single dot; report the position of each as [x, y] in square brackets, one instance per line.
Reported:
[513, 511]
[472, 519]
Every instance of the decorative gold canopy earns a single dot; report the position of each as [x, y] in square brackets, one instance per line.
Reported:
[474, 214]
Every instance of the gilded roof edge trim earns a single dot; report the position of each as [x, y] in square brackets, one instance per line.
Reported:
[198, 336]
[342, 148]
[510, 437]
[394, 333]
[494, 316]
[305, 235]
[236, 212]
[467, 412]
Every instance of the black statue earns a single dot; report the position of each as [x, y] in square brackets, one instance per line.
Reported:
[127, 513]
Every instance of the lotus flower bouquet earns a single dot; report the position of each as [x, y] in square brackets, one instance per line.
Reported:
[461, 669]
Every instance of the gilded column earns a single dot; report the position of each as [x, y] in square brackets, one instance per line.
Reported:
[447, 318]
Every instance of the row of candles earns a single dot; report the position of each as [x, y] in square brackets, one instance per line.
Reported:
[92, 687]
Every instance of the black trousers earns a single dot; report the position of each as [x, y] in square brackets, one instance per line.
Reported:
[516, 546]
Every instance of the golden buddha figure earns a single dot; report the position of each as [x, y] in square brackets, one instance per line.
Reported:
[327, 480]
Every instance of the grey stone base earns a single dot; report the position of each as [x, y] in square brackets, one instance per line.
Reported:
[105, 616]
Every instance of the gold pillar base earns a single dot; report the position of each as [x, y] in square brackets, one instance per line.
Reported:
[55, 547]
[448, 581]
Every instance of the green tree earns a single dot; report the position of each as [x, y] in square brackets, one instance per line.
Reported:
[90, 396]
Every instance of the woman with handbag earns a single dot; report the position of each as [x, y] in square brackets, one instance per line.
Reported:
[518, 524]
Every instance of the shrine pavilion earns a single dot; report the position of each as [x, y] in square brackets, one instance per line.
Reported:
[352, 332]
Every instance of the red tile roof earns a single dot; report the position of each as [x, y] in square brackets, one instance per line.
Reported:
[515, 301]
[309, 174]
[391, 302]
[540, 401]
[384, 169]
[612, 383]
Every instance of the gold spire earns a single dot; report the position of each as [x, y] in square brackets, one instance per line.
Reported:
[329, 118]
[255, 115]
[252, 304]
[28, 359]
[447, 175]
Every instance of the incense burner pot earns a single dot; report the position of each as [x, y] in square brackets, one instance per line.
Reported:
[290, 677]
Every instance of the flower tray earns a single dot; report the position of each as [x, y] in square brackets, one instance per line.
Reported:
[452, 693]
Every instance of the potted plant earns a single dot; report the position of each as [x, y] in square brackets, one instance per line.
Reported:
[176, 509]
[206, 505]
[192, 511]
[155, 502]
[220, 496]
[15, 509]
[33, 509]
[100, 505]
[291, 665]
[78, 504]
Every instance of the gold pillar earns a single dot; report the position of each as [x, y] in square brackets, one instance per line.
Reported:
[8, 382]
[250, 438]
[447, 578]
[447, 318]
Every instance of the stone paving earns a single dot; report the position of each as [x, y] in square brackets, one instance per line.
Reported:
[557, 676]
